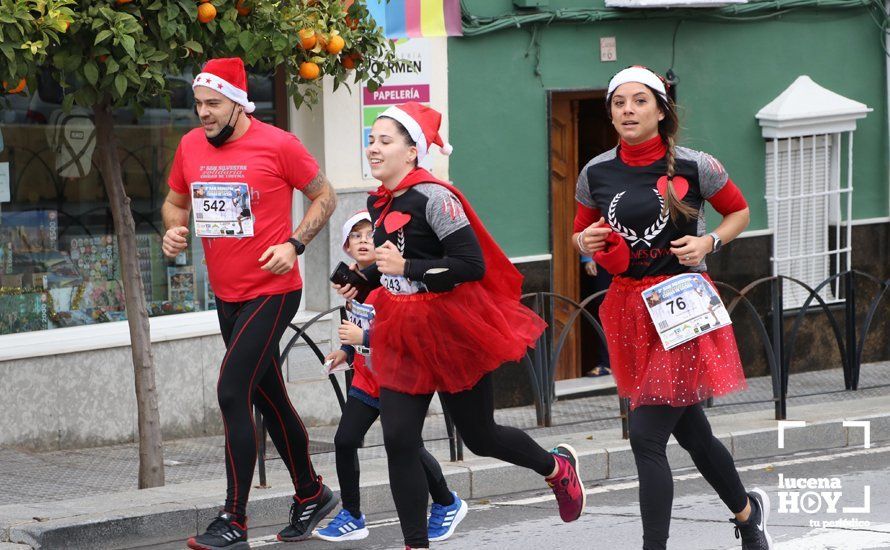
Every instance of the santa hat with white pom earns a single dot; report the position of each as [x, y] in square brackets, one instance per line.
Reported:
[422, 123]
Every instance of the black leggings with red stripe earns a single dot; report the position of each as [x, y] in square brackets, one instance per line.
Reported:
[250, 374]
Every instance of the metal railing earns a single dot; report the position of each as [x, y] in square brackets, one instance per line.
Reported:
[301, 334]
[778, 342]
[769, 329]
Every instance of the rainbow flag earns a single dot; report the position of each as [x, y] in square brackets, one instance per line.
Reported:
[417, 18]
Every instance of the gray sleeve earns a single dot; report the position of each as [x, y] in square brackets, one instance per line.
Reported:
[582, 190]
[444, 212]
[711, 175]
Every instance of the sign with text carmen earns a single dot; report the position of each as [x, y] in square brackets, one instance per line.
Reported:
[409, 81]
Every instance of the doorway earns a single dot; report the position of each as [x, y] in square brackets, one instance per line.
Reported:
[579, 130]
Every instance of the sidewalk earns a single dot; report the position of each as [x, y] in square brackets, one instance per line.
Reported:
[73, 499]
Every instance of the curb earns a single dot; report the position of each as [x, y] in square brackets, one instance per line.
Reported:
[177, 512]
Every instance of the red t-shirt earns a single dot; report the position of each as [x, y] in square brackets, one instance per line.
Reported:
[273, 163]
[363, 375]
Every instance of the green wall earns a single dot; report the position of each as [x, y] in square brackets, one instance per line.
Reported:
[728, 71]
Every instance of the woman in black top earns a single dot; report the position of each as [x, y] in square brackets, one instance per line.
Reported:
[450, 316]
[641, 214]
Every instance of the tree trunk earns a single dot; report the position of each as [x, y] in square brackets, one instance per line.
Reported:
[151, 450]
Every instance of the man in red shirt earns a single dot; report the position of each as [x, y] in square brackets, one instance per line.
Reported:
[239, 174]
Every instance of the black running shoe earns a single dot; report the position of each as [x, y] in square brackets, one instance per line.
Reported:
[753, 532]
[222, 533]
[305, 514]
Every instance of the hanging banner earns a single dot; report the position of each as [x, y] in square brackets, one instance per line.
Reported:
[410, 81]
[417, 18]
[671, 3]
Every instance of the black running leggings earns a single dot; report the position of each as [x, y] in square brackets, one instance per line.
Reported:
[250, 374]
[354, 424]
[650, 428]
[402, 416]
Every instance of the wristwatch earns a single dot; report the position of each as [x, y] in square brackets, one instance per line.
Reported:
[298, 246]
[717, 242]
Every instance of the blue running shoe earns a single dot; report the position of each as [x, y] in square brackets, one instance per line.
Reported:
[344, 527]
[444, 519]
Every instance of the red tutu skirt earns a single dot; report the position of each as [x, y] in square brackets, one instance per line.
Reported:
[648, 374]
[447, 341]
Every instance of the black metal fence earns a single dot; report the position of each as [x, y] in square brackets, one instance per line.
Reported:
[301, 333]
[769, 331]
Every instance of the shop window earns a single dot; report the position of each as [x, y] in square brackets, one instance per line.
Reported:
[59, 261]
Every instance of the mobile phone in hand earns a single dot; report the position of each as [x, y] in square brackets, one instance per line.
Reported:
[342, 276]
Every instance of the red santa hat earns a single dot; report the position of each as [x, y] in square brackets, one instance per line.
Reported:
[227, 76]
[361, 215]
[422, 123]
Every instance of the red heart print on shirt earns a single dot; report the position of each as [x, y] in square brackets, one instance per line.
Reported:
[681, 186]
[395, 221]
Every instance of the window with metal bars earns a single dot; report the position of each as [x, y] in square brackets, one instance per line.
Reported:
[809, 210]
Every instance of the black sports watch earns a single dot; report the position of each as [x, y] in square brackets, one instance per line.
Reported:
[298, 246]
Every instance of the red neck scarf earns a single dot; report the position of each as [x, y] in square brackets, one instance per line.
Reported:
[385, 196]
[642, 154]
[501, 276]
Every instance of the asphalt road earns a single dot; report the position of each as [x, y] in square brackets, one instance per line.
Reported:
[856, 482]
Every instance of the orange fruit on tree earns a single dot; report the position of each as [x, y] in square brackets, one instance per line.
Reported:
[242, 9]
[307, 38]
[335, 44]
[350, 61]
[206, 12]
[19, 87]
[119, 2]
[309, 70]
[322, 41]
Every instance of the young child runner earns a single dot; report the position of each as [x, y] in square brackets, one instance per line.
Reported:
[449, 316]
[653, 194]
[363, 408]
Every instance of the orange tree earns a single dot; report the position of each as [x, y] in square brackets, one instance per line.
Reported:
[117, 53]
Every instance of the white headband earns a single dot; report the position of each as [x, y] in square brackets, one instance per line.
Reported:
[239, 96]
[637, 74]
[413, 127]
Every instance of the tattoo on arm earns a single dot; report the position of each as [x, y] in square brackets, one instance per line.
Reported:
[324, 201]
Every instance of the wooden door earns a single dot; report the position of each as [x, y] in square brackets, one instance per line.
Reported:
[565, 262]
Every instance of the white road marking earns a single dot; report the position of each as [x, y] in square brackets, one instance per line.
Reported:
[823, 538]
[695, 475]
[875, 536]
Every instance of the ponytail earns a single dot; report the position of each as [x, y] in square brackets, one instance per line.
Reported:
[679, 210]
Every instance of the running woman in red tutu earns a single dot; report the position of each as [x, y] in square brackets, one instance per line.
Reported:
[450, 315]
[641, 214]
[363, 407]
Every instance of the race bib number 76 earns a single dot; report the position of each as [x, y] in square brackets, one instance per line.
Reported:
[683, 308]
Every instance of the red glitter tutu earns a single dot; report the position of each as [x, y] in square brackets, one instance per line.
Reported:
[446, 341]
[648, 374]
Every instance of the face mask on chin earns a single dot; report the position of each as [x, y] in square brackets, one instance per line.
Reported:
[225, 133]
